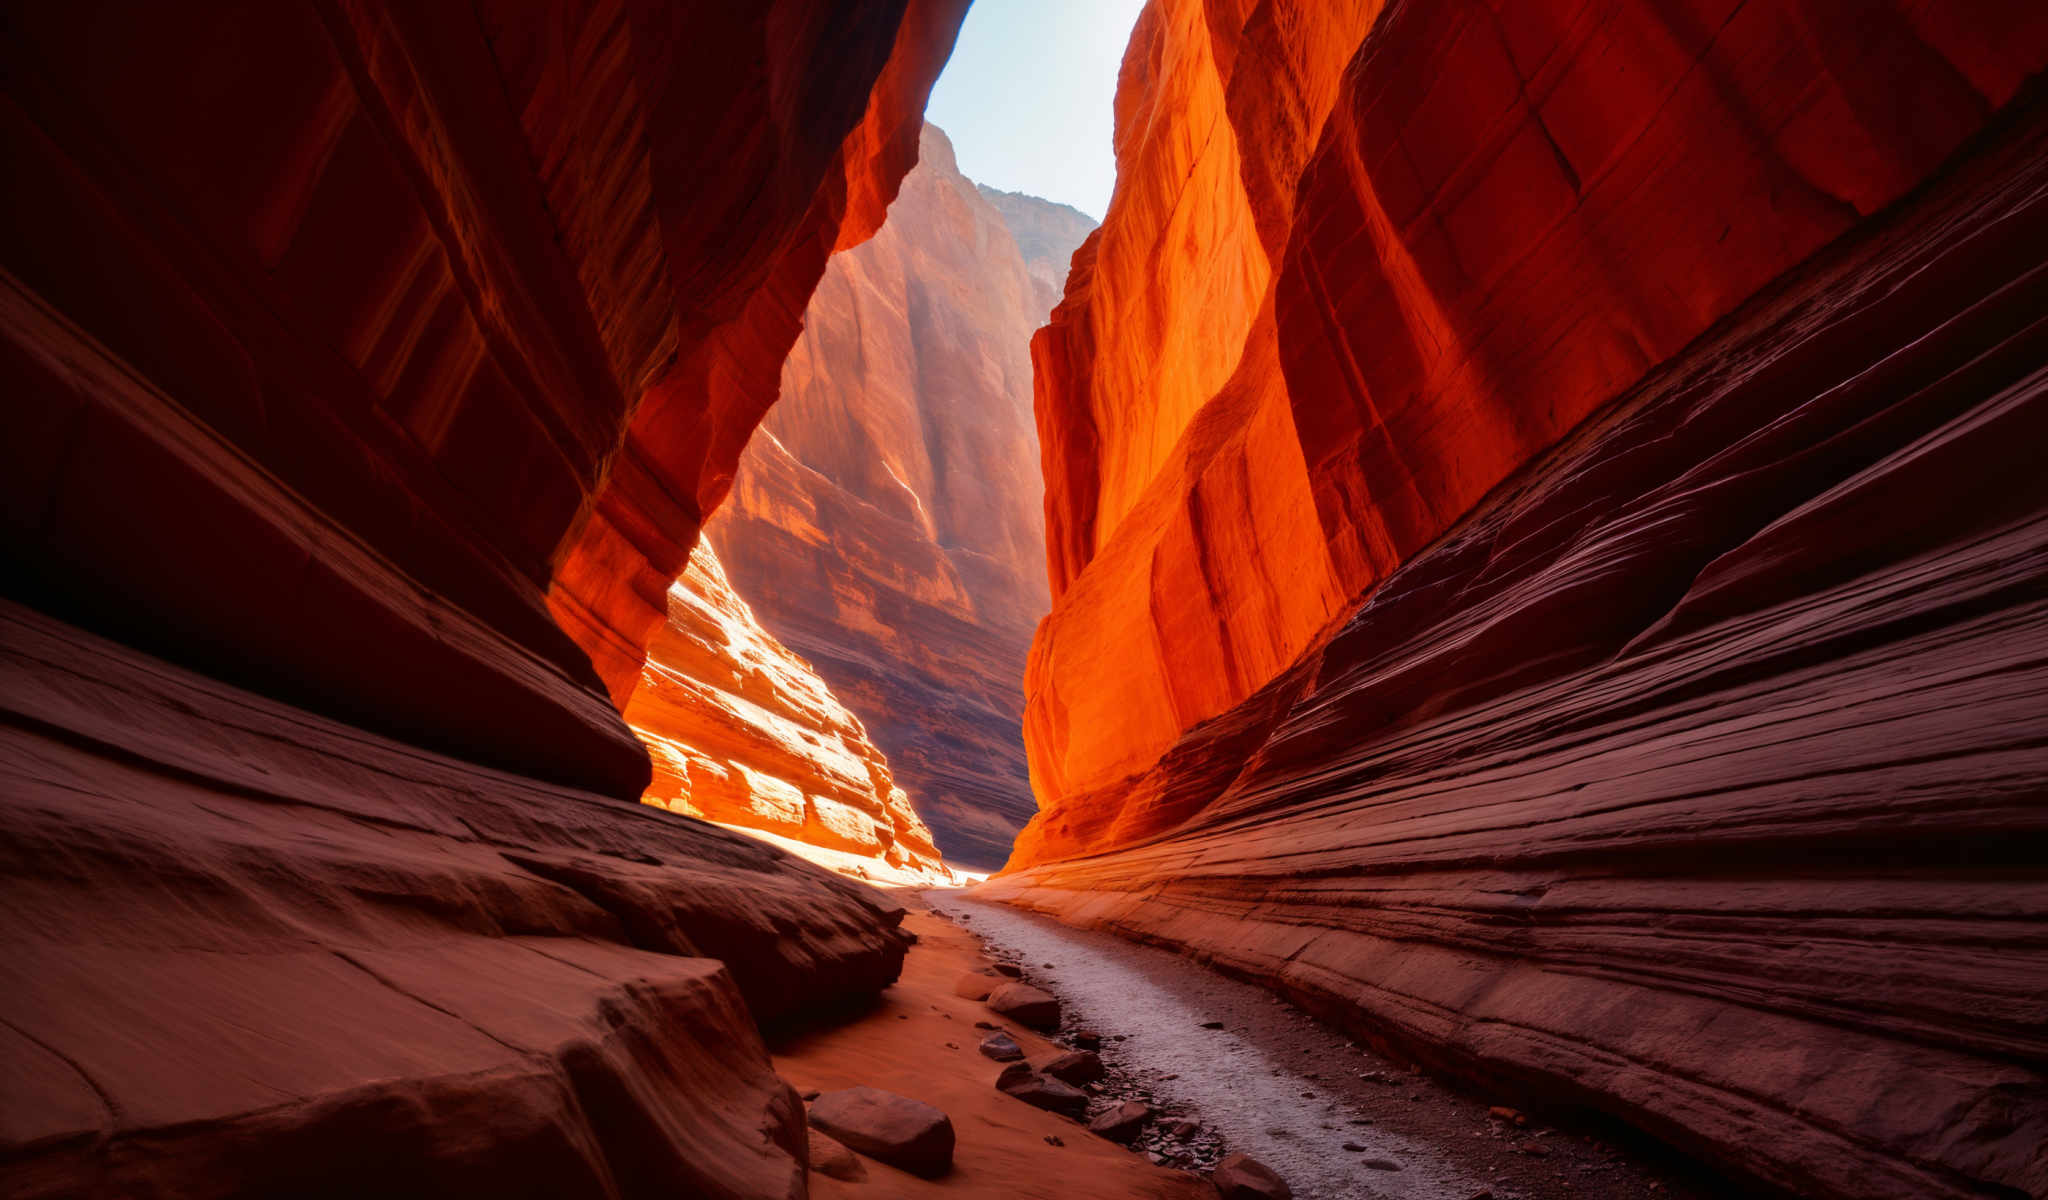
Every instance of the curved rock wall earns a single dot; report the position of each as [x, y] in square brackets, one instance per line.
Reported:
[1452, 240]
[347, 346]
[886, 522]
[742, 732]
[1596, 624]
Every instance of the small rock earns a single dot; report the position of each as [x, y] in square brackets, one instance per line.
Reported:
[1019, 1080]
[1076, 1067]
[1001, 1047]
[1182, 1130]
[1212, 1025]
[1481, 1194]
[1026, 1005]
[1382, 1164]
[1047, 966]
[1507, 1114]
[1533, 1149]
[1053, 1139]
[1240, 1178]
[1122, 1123]
[829, 1157]
[952, 1045]
[1010, 969]
[888, 1128]
[1087, 1040]
[986, 1025]
[1308, 1095]
[1354, 1147]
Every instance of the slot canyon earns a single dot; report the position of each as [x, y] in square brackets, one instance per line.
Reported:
[590, 611]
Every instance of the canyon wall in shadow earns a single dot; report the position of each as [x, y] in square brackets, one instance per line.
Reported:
[1549, 553]
[886, 522]
[354, 352]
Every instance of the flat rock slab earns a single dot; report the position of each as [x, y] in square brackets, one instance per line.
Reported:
[1075, 1067]
[1026, 1005]
[1240, 1178]
[1122, 1123]
[888, 1128]
[1041, 1091]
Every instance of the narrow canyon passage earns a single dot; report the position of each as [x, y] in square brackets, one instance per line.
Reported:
[1101, 598]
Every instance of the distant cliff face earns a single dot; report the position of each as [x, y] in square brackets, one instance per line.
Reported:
[1047, 235]
[886, 523]
[743, 733]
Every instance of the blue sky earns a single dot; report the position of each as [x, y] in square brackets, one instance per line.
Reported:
[1029, 96]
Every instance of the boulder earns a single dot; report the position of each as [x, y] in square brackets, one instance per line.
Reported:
[1025, 1005]
[1041, 1091]
[1001, 1047]
[888, 1128]
[1076, 1067]
[1122, 1123]
[829, 1157]
[1242, 1178]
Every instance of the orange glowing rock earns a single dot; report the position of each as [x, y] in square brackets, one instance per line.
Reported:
[887, 521]
[742, 732]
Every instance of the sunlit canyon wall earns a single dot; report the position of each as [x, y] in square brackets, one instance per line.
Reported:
[1550, 557]
[354, 353]
[887, 520]
[745, 733]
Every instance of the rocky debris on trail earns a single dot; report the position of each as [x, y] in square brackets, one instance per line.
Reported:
[1211, 1025]
[1504, 1113]
[1039, 1091]
[1026, 1005]
[1053, 1139]
[1010, 969]
[1076, 1067]
[1242, 1178]
[1001, 1047]
[1085, 1039]
[888, 1128]
[976, 985]
[1122, 1123]
[830, 1157]
[986, 1025]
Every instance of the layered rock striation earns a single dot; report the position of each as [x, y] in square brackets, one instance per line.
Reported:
[369, 371]
[1586, 629]
[742, 732]
[886, 520]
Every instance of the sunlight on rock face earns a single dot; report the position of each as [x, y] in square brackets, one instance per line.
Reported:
[744, 733]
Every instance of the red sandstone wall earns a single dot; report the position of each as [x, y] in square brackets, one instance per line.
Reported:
[336, 317]
[338, 339]
[1595, 624]
[886, 521]
[1350, 282]
[744, 733]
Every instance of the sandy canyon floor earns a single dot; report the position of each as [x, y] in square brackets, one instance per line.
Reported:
[1335, 1119]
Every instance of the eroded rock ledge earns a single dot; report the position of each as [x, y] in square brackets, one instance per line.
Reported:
[251, 951]
[1697, 776]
